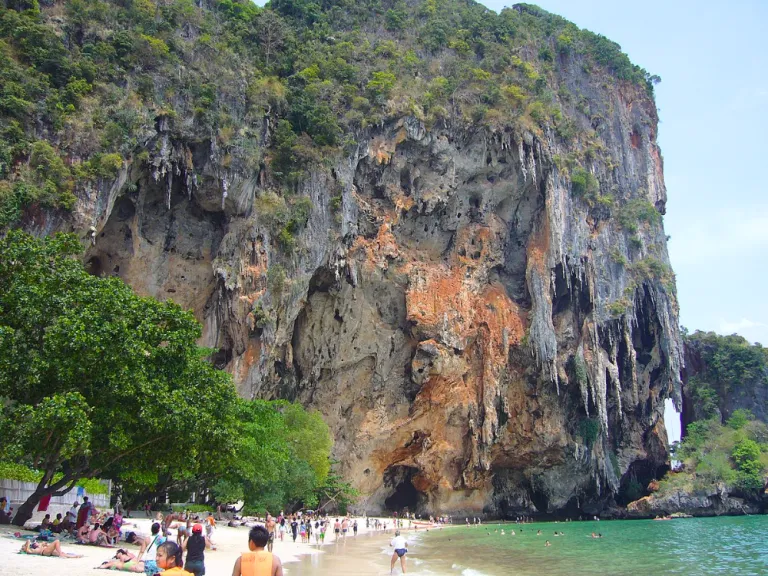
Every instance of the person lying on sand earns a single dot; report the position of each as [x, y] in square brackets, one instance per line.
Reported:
[123, 560]
[47, 549]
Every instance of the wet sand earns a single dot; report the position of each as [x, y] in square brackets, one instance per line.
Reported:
[360, 555]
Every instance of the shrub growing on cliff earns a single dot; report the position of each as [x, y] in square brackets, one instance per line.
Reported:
[712, 453]
[584, 185]
[589, 430]
[635, 212]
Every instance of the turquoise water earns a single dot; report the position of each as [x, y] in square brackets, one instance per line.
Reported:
[733, 545]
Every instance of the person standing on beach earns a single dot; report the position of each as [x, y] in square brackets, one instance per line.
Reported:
[84, 514]
[401, 549]
[195, 547]
[210, 528]
[258, 562]
[270, 526]
[148, 551]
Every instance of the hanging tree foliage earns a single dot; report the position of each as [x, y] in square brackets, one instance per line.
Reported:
[98, 381]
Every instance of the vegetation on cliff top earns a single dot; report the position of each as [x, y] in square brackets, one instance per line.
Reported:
[85, 82]
[731, 369]
[724, 443]
[734, 455]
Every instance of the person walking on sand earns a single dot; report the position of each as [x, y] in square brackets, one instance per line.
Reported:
[270, 526]
[294, 528]
[210, 529]
[258, 562]
[401, 549]
[345, 527]
[195, 547]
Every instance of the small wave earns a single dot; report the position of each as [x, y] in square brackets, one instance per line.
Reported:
[471, 572]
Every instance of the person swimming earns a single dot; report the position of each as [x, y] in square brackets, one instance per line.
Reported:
[548, 543]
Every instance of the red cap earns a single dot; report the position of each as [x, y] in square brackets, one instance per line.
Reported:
[197, 528]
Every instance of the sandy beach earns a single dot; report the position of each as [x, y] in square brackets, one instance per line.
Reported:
[355, 555]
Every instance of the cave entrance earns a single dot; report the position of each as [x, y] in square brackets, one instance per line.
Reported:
[635, 481]
[405, 497]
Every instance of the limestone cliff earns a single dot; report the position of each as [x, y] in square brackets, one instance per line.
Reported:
[480, 305]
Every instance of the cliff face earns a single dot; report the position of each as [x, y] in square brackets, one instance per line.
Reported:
[723, 374]
[482, 311]
[453, 328]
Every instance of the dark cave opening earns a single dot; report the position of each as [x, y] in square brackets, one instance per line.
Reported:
[540, 500]
[94, 266]
[405, 496]
[634, 484]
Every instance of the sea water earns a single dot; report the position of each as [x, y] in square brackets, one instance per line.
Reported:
[695, 546]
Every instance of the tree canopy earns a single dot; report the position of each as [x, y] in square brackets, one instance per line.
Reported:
[99, 382]
[281, 457]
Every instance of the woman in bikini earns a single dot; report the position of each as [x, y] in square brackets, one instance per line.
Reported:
[47, 549]
[125, 561]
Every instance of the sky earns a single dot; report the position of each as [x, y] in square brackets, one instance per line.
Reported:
[713, 62]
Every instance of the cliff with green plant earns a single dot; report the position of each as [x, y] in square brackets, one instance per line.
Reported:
[439, 225]
[723, 455]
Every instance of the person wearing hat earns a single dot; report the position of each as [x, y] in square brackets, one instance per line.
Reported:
[195, 547]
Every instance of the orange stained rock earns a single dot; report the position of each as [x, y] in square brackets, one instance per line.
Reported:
[538, 246]
[445, 391]
[382, 149]
[379, 249]
[443, 298]
[250, 357]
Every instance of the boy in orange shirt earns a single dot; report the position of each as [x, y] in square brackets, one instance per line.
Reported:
[258, 562]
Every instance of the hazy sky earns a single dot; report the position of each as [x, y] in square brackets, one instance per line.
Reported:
[713, 61]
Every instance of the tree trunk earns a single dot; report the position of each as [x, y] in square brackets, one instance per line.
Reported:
[26, 510]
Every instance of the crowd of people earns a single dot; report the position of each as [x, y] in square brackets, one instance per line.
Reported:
[178, 541]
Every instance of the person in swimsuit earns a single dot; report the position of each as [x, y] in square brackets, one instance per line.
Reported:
[270, 526]
[48, 549]
[125, 561]
[401, 549]
[258, 562]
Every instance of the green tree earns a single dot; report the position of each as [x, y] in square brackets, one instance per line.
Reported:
[98, 381]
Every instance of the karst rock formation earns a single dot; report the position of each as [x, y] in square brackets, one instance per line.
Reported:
[481, 308]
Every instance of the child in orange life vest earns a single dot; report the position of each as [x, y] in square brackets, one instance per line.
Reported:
[258, 562]
[169, 559]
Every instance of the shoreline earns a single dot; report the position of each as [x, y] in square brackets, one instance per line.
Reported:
[230, 543]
